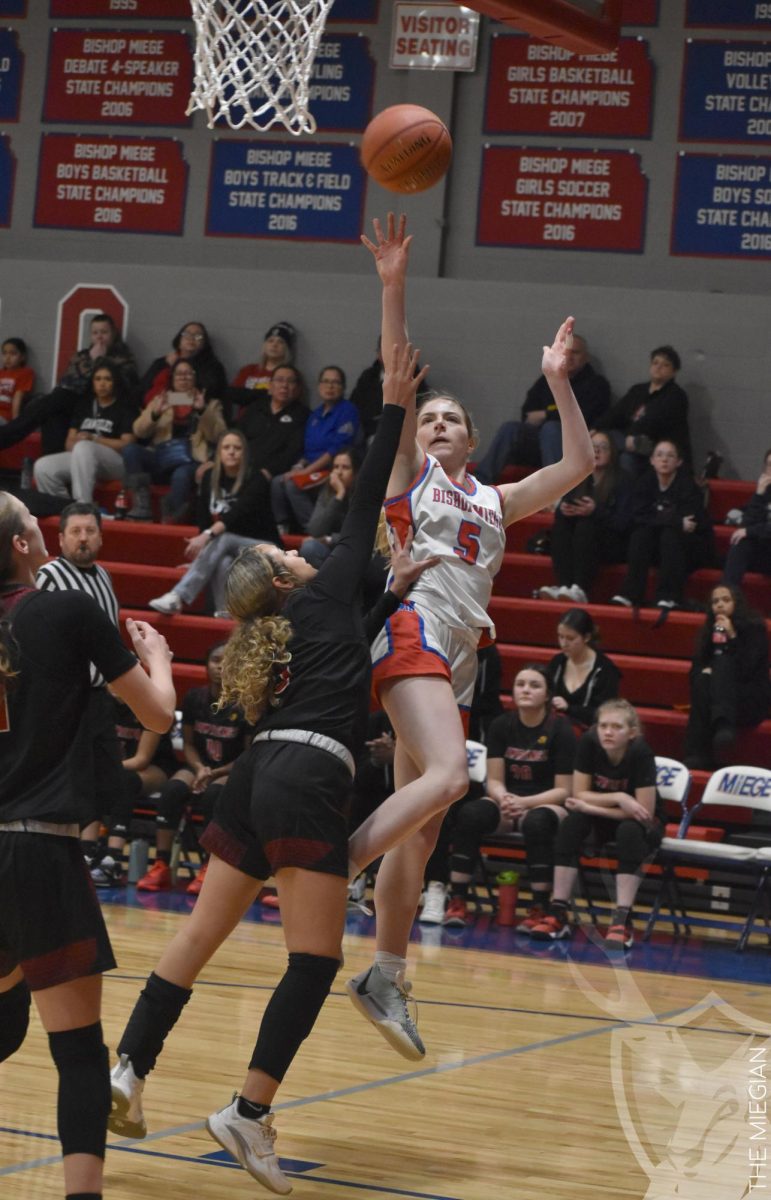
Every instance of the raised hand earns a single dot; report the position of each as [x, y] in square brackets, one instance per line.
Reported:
[555, 357]
[390, 251]
[148, 643]
[400, 381]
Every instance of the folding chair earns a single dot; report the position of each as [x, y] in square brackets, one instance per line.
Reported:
[673, 783]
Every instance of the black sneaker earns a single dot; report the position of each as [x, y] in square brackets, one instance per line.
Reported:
[108, 873]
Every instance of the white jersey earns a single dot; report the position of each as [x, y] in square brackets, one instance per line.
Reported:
[461, 523]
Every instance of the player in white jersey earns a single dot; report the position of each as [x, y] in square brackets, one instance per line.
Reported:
[425, 661]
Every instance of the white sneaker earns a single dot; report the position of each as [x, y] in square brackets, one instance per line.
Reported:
[168, 604]
[126, 1117]
[384, 1004]
[251, 1142]
[577, 594]
[434, 902]
[564, 593]
[548, 592]
[357, 893]
[624, 601]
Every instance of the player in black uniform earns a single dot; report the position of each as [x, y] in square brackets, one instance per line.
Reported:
[212, 741]
[298, 660]
[614, 799]
[53, 942]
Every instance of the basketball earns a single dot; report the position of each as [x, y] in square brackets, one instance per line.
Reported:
[406, 148]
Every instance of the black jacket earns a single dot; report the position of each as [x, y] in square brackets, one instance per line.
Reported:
[592, 391]
[660, 414]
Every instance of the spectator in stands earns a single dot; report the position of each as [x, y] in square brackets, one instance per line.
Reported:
[148, 762]
[750, 548]
[17, 380]
[591, 526]
[53, 413]
[536, 440]
[100, 429]
[367, 395]
[730, 685]
[613, 799]
[233, 511]
[253, 380]
[175, 430]
[193, 344]
[649, 413]
[530, 755]
[212, 741]
[331, 505]
[671, 527]
[274, 425]
[331, 426]
[581, 676]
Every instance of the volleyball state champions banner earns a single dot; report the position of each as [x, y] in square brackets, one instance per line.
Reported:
[13, 8]
[726, 94]
[728, 14]
[118, 77]
[535, 88]
[722, 206]
[113, 184]
[177, 10]
[550, 199]
[309, 191]
[7, 177]
[11, 70]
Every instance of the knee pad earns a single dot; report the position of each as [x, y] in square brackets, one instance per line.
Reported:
[539, 830]
[14, 1019]
[292, 1012]
[81, 1059]
[174, 796]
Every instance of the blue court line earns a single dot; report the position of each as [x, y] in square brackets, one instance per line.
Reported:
[489, 1008]
[136, 1145]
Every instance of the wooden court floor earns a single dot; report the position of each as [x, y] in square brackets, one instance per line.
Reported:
[535, 1086]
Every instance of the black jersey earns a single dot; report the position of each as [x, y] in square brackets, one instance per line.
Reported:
[219, 737]
[636, 769]
[325, 686]
[532, 755]
[57, 636]
[129, 730]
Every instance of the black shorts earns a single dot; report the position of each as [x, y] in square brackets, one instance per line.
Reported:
[51, 924]
[284, 805]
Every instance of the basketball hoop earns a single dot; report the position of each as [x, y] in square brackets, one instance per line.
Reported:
[253, 60]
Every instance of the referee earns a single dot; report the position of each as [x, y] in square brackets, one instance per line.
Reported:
[98, 776]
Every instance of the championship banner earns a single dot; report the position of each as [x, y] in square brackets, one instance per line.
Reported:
[722, 206]
[341, 86]
[7, 179]
[726, 92]
[117, 77]
[13, 8]
[11, 69]
[354, 11]
[640, 12]
[161, 10]
[111, 184]
[738, 14]
[535, 88]
[306, 191]
[562, 199]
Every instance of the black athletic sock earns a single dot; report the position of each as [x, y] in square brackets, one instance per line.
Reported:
[251, 1110]
[621, 916]
[155, 1014]
[460, 890]
[163, 856]
[84, 1196]
[559, 908]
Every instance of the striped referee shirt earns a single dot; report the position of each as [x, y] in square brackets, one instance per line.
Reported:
[59, 575]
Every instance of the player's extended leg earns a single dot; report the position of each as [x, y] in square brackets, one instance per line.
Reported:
[70, 1015]
[425, 717]
[313, 908]
[225, 896]
[14, 1013]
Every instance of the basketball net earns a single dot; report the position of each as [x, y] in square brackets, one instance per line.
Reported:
[253, 61]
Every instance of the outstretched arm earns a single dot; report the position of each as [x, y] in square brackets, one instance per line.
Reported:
[391, 254]
[550, 483]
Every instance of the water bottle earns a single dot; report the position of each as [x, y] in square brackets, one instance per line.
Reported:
[121, 505]
[719, 639]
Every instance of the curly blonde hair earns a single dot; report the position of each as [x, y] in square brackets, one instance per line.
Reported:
[11, 526]
[258, 644]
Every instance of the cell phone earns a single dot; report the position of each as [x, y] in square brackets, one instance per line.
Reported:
[181, 399]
